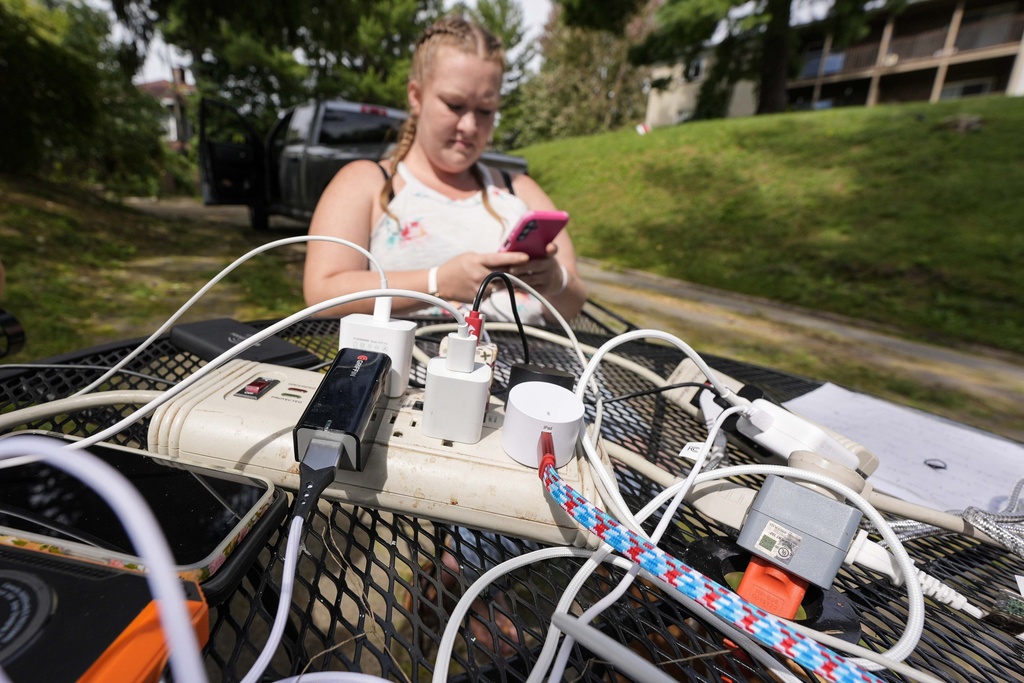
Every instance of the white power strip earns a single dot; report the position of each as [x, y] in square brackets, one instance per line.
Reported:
[477, 485]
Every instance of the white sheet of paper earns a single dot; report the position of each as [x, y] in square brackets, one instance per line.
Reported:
[923, 458]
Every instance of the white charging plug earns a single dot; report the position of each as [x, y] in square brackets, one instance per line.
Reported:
[456, 393]
[783, 432]
[460, 355]
[383, 335]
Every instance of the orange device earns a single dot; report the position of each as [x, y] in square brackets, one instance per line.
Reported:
[102, 621]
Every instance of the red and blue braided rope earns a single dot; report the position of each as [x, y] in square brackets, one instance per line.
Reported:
[762, 626]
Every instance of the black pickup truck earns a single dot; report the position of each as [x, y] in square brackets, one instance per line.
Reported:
[286, 173]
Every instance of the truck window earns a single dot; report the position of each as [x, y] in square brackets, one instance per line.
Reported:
[350, 128]
[298, 128]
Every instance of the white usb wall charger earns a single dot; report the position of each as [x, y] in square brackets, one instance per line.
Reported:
[382, 335]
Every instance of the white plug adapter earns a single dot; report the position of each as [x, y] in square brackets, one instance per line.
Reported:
[454, 401]
[240, 418]
[783, 432]
[393, 337]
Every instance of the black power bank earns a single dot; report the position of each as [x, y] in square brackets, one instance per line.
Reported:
[210, 338]
[341, 416]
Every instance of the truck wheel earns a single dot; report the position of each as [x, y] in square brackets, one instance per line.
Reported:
[259, 218]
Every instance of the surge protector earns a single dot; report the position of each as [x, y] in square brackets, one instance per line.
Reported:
[687, 371]
[240, 418]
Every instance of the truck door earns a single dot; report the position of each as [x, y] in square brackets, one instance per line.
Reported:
[230, 157]
[292, 171]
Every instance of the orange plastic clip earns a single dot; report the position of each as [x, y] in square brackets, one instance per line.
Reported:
[140, 653]
[772, 588]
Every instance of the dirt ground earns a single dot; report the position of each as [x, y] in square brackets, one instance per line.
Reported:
[982, 387]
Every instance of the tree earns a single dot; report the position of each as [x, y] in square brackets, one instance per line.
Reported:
[611, 16]
[71, 101]
[757, 44]
[123, 150]
[50, 95]
[586, 85]
[263, 56]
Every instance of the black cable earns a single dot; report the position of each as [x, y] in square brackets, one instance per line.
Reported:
[512, 301]
[657, 390]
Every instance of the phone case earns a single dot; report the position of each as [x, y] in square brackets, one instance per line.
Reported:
[223, 583]
[199, 572]
[534, 231]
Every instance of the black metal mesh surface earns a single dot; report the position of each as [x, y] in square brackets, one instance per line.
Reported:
[374, 589]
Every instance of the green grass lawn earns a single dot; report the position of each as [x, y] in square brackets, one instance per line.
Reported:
[83, 271]
[885, 214]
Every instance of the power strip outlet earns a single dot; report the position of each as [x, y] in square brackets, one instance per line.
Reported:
[240, 418]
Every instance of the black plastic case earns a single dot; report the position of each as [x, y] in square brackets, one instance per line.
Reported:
[210, 338]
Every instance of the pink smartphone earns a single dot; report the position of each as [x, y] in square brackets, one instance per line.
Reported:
[533, 232]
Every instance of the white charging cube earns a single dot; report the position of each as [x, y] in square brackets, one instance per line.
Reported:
[393, 337]
[454, 402]
[535, 407]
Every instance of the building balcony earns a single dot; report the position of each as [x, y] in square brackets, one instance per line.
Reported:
[979, 39]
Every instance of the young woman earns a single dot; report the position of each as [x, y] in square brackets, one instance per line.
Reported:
[432, 214]
[434, 217]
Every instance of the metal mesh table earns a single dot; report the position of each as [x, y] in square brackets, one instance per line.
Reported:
[367, 598]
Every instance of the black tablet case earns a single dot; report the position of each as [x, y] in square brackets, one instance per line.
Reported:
[210, 338]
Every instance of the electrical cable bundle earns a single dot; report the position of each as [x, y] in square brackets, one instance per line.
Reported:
[765, 628]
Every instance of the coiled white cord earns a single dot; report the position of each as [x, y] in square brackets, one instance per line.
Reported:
[681, 491]
[615, 501]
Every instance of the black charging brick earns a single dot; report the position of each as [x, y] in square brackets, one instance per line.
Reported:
[343, 409]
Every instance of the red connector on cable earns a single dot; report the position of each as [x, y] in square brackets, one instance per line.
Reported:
[476, 324]
[547, 445]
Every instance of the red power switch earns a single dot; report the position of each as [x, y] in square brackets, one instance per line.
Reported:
[256, 387]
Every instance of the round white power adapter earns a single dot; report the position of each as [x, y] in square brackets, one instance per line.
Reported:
[535, 407]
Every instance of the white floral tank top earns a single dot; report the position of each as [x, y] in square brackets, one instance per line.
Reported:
[432, 228]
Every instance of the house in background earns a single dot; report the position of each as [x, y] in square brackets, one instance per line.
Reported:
[173, 96]
[676, 103]
[932, 50]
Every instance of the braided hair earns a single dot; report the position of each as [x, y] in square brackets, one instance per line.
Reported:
[467, 37]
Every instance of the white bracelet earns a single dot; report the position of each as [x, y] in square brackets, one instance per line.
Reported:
[432, 282]
[565, 280]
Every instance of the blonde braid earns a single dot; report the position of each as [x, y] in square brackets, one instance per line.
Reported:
[405, 138]
[479, 175]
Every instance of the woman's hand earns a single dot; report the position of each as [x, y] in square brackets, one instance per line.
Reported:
[543, 274]
[459, 278]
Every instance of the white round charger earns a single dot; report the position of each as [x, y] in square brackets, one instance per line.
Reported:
[534, 407]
